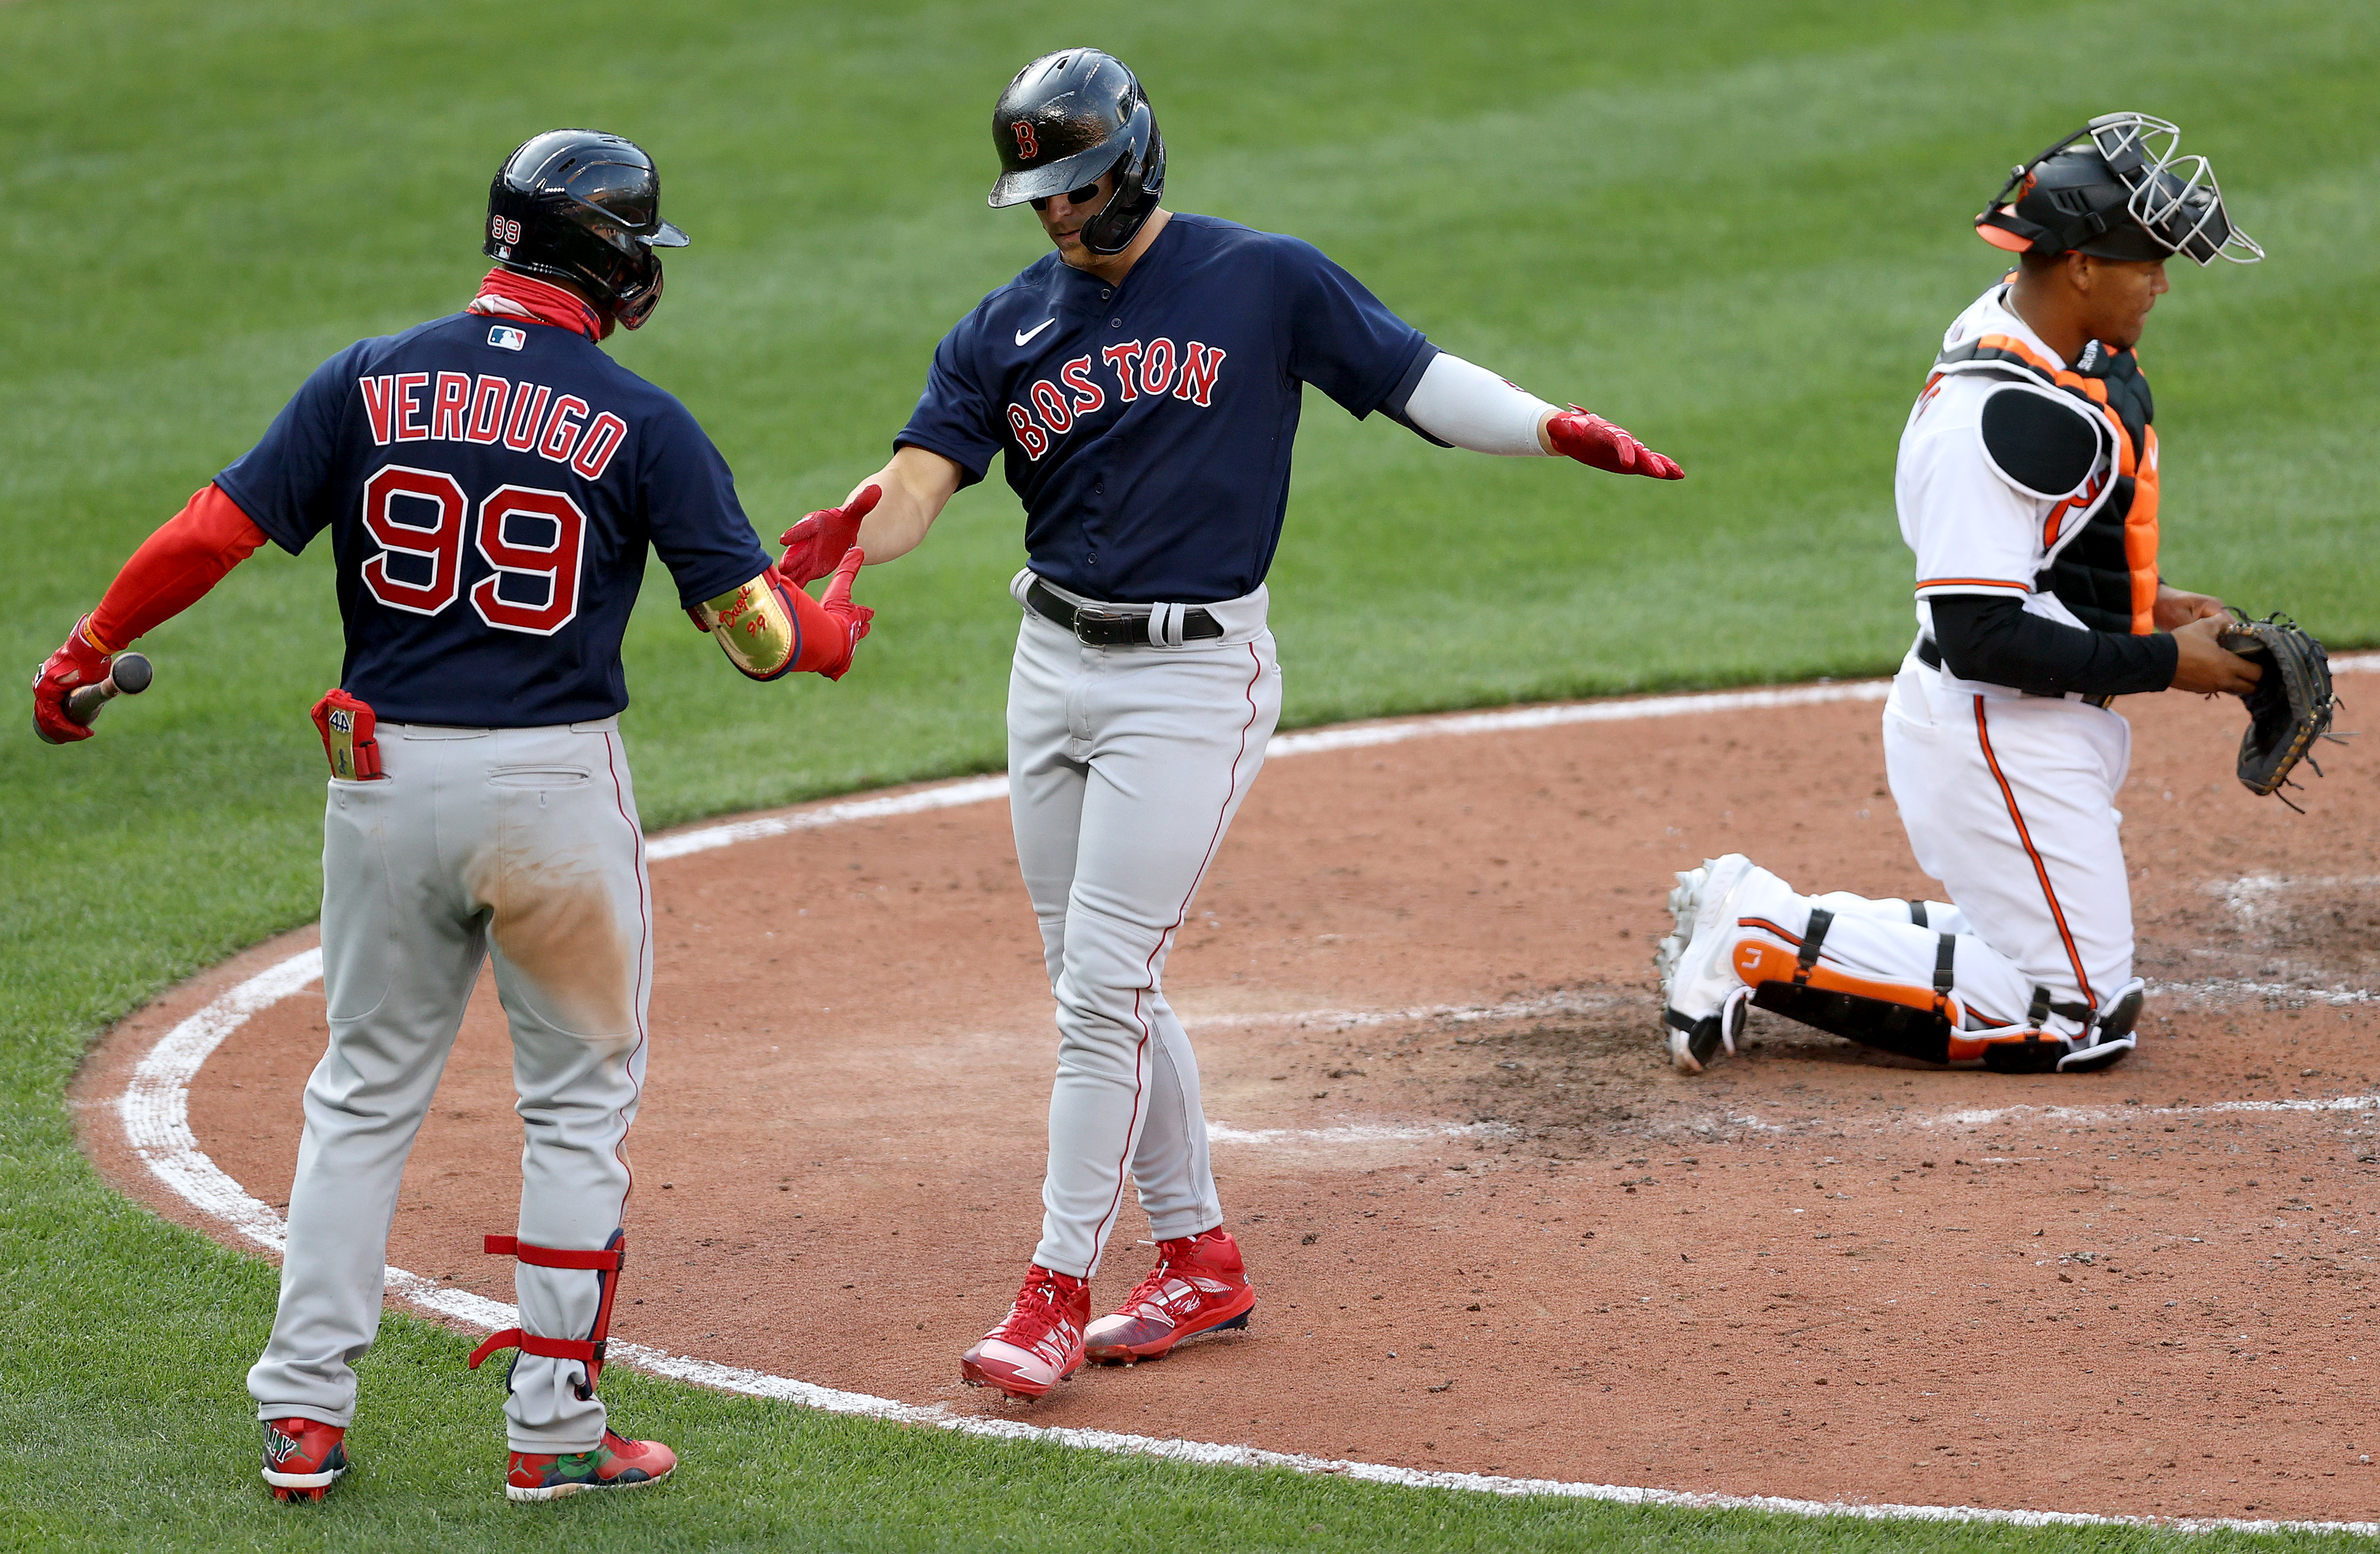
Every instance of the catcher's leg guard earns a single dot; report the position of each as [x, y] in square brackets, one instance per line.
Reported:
[2103, 1038]
[589, 1351]
[1892, 1017]
[1925, 1023]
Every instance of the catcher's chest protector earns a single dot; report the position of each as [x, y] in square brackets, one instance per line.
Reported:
[2102, 542]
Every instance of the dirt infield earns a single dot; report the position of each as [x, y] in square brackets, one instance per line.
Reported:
[1491, 1230]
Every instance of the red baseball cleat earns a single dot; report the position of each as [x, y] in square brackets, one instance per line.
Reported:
[614, 1463]
[1039, 1343]
[1198, 1286]
[303, 1457]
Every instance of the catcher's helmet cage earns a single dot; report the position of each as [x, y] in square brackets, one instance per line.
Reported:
[1069, 117]
[2117, 189]
[581, 206]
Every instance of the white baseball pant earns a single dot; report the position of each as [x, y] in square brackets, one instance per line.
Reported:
[1126, 766]
[2009, 801]
[519, 842]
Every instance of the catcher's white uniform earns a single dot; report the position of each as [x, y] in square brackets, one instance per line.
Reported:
[2008, 797]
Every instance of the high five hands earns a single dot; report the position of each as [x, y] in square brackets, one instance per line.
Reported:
[816, 545]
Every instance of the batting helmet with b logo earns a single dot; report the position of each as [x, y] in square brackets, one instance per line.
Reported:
[1067, 120]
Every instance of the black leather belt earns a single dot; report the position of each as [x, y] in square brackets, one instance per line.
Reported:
[1101, 626]
[1931, 657]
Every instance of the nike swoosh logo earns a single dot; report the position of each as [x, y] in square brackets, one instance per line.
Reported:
[1025, 336]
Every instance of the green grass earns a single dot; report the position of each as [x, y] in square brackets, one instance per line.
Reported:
[1735, 226]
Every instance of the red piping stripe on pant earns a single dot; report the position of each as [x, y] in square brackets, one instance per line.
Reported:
[1140, 1053]
[2040, 869]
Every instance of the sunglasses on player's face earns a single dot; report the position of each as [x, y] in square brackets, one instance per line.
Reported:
[1082, 196]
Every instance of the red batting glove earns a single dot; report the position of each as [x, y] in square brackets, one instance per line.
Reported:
[76, 663]
[1581, 434]
[836, 602]
[817, 544]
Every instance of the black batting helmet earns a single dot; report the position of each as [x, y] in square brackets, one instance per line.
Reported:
[581, 206]
[1069, 117]
[2116, 189]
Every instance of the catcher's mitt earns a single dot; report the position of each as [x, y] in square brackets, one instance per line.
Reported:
[2290, 707]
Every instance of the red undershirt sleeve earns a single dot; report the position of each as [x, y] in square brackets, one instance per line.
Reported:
[174, 568]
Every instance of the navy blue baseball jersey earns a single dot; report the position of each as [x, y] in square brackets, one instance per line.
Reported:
[491, 486]
[1148, 426]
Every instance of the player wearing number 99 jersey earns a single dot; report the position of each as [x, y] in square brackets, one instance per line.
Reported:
[491, 485]
[491, 482]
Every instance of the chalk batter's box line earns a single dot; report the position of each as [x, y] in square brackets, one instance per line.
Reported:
[154, 1111]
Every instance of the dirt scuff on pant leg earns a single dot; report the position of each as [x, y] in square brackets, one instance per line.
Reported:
[555, 921]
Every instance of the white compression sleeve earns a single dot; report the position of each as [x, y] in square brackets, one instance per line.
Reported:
[1470, 407]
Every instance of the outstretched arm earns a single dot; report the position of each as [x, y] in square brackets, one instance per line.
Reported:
[1469, 406]
[171, 571]
[886, 515]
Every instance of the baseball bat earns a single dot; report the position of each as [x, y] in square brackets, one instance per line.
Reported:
[129, 676]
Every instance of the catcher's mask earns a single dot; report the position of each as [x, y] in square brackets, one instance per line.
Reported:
[2116, 189]
[1068, 118]
[581, 206]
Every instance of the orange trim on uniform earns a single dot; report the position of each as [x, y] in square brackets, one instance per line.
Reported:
[2140, 536]
[1756, 962]
[1925, 583]
[2040, 869]
[2018, 348]
[2139, 463]
[1767, 928]
[2055, 524]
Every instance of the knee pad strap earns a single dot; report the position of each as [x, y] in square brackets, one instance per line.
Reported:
[588, 1351]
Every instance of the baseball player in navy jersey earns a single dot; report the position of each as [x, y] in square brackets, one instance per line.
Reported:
[1141, 385]
[2027, 486]
[491, 482]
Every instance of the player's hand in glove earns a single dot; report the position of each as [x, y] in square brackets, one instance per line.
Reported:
[1581, 434]
[2207, 668]
[817, 544]
[835, 603]
[77, 663]
[2290, 706]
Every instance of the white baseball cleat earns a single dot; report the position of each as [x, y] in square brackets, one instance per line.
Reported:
[1702, 999]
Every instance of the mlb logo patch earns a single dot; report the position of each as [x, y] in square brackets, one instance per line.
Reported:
[503, 337]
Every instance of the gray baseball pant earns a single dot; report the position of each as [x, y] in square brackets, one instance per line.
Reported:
[522, 843]
[1126, 766]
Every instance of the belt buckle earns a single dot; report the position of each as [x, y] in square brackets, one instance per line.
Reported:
[1088, 616]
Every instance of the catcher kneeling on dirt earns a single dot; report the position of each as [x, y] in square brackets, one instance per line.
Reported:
[2027, 486]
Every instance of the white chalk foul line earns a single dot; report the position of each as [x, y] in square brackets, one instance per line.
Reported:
[154, 1110]
[1977, 1117]
[1450, 1014]
[983, 789]
[1316, 741]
